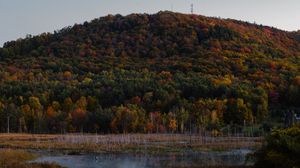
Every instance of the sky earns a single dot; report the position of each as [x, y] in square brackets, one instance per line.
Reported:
[21, 17]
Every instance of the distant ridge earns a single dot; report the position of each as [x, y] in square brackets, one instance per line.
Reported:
[183, 33]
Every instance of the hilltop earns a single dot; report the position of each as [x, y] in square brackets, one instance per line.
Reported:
[164, 34]
[189, 70]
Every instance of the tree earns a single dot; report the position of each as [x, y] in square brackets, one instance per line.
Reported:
[260, 102]
[80, 112]
[50, 113]
[28, 117]
[54, 117]
[202, 113]
[150, 127]
[156, 120]
[2, 114]
[12, 116]
[243, 108]
[130, 118]
[237, 112]
[102, 118]
[173, 125]
[182, 115]
[37, 111]
[68, 105]
[67, 75]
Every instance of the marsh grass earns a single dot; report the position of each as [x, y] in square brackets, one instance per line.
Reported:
[20, 159]
[137, 143]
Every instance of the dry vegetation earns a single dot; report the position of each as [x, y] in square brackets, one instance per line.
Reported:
[19, 159]
[152, 143]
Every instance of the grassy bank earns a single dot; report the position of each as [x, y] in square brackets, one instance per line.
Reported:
[19, 159]
[150, 143]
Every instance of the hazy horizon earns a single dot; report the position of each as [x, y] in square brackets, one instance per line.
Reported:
[19, 18]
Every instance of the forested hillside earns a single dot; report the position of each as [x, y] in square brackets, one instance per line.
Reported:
[167, 72]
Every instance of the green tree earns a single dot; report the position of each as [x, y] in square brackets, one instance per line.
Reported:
[238, 112]
[182, 116]
[130, 118]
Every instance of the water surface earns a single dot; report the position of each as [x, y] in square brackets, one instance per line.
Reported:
[230, 158]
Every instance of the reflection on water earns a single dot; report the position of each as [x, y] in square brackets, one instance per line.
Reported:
[236, 157]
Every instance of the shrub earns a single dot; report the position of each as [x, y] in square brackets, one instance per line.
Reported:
[282, 149]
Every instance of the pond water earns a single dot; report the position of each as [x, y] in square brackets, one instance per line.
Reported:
[230, 158]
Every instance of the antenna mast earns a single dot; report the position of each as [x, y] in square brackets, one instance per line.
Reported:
[192, 8]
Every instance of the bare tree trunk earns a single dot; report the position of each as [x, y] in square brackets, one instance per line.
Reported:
[20, 126]
[182, 127]
[8, 118]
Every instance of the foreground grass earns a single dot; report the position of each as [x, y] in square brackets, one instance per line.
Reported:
[19, 159]
[132, 143]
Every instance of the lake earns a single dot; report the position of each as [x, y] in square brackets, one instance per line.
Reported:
[211, 158]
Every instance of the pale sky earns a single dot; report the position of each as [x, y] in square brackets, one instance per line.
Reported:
[21, 17]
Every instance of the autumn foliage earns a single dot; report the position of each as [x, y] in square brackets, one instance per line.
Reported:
[166, 72]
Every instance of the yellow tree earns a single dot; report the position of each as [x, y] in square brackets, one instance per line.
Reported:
[173, 125]
[37, 110]
[67, 75]
[68, 105]
[28, 117]
[128, 118]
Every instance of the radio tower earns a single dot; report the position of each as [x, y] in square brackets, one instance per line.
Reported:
[192, 8]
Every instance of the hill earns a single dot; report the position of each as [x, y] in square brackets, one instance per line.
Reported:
[149, 73]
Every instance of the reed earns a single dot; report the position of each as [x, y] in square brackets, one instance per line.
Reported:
[152, 143]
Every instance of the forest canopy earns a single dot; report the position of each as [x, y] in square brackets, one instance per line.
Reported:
[166, 72]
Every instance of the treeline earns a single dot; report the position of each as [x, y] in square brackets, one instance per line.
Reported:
[130, 101]
[166, 72]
